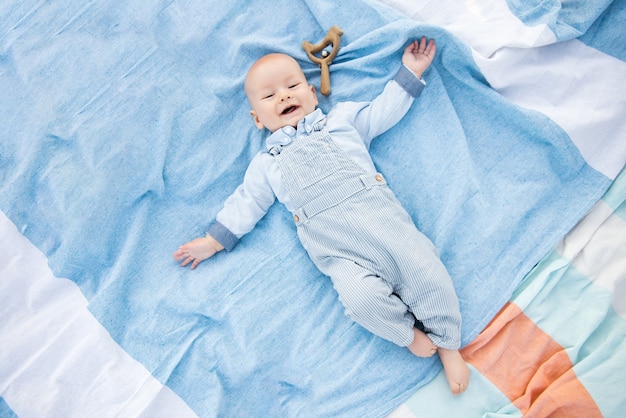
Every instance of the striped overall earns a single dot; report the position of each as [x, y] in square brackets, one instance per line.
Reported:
[385, 271]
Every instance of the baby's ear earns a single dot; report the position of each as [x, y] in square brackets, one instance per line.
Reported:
[257, 122]
[312, 87]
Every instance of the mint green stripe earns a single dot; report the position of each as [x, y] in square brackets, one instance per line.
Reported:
[615, 196]
[565, 303]
[480, 399]
[600, 364]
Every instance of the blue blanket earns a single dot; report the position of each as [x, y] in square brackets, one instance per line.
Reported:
[125, 126]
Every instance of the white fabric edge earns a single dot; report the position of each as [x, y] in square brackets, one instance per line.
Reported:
[56, 358]
[486, 26]
[597, 249]
[578, 87]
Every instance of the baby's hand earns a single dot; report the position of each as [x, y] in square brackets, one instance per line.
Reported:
[418, 55]
[197, 251]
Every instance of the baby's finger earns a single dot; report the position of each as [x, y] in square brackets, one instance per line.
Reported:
[411, 48]
[431, 47]
[188, 260]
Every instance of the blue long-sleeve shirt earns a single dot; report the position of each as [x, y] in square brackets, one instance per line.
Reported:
[352, 125]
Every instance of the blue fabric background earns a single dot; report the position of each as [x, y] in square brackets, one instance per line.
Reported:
[5, 411]
[125, 126]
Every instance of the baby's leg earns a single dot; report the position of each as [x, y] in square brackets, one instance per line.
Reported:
[422, 346]
[429, 292]
[456, 370]
[454, 366]
[369, 301]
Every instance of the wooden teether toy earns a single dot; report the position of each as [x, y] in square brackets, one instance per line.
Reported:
[332, 37]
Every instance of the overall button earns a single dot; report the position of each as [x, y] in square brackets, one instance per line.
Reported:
[378, 178]
[296, 218]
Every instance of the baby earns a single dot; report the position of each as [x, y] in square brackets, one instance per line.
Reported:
[387, 274]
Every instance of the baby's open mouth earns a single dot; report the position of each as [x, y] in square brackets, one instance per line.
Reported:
[288, 110]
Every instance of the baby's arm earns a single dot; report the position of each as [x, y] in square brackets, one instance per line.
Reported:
[419, 55]
[241, 211]
[197, 251]
[373, 118]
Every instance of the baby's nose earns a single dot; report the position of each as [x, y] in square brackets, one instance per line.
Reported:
[285, 95]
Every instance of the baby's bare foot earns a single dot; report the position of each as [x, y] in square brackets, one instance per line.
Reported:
[422, 346]
[456, 370]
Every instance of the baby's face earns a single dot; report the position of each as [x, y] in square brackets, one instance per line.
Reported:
[278, 92]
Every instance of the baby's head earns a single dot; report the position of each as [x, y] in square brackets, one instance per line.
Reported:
[278, 92]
